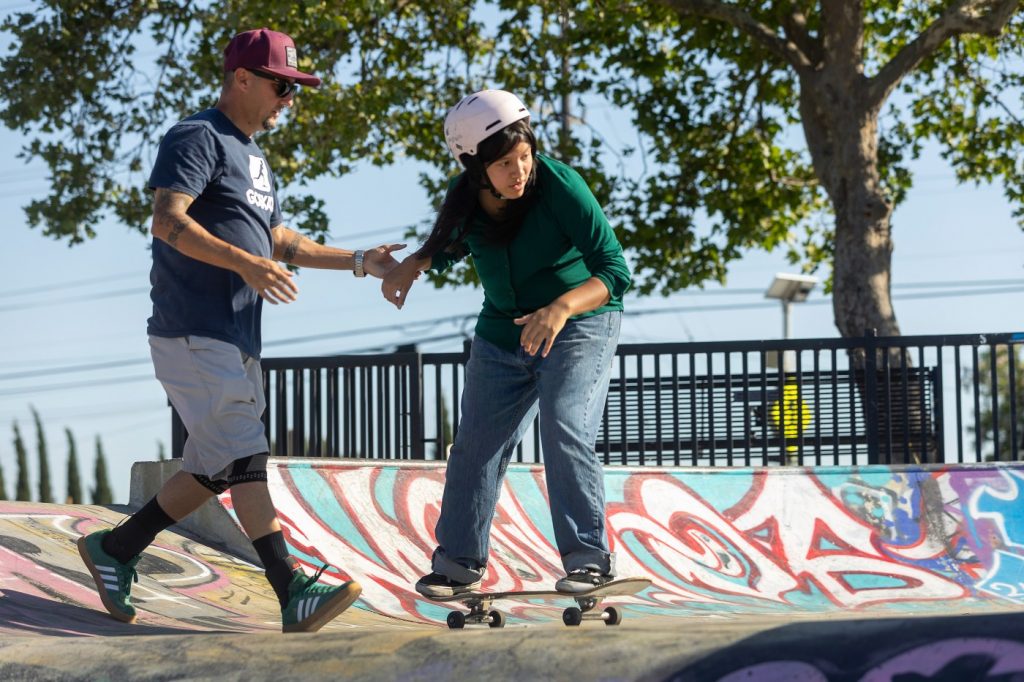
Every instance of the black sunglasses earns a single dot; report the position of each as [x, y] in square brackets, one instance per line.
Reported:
[284, 88]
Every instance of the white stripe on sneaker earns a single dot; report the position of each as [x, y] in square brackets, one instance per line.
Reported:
[306, 608]
[109, 576]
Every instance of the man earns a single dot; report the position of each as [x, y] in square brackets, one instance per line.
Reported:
[218, 233]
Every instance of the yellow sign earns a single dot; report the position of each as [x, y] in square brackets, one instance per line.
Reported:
[790, 415]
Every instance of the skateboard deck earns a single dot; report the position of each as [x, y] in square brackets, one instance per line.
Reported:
[479, 603]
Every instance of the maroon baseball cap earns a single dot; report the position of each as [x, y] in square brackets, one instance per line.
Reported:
[268, 51]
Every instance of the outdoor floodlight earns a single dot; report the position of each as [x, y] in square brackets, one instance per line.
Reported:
[791, 288]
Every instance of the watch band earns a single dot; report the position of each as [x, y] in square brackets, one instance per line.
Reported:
[357, 264]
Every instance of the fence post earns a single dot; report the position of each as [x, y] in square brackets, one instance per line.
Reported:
[871, 391]
[418, 447]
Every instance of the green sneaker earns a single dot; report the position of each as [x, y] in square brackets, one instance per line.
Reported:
[113, 579]
[311, 605]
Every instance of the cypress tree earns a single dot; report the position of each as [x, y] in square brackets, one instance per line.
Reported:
[161, 456]
[101, 494]
[3, 484]
[74, 495]
[22, 492]
[45, 493]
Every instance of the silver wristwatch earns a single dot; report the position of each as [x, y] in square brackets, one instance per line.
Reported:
[357, 264]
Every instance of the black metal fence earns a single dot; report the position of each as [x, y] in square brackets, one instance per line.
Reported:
[735, 403]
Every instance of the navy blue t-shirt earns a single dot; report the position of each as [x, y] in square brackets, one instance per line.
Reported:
[207, 157]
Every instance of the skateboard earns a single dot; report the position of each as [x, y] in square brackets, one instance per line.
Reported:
[479, 604]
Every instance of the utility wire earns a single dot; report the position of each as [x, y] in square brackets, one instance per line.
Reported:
[76, 384]
[74, 284]
[76, 299]
[404, 327]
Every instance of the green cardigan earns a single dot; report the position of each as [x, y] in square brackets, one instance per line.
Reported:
[565, 240]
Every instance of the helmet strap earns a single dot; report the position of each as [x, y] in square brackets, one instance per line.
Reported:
[485, 182]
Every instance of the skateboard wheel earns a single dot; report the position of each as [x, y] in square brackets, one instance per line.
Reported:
[572, 616]
[613, 616]
[497, 619]
[456, 620]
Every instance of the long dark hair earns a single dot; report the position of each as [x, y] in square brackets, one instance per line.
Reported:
[461, 205]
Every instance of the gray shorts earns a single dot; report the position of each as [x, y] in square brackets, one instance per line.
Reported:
[218, 393]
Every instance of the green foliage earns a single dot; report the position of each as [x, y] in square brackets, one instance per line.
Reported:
[45, 493]
[3, 485]
[447, 437]
[74, 495]
[994, 383]
[102, 493]
[718, 165]
[161, 452]
[22, 491]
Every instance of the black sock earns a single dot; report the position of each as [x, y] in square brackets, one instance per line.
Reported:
[126, 541]
[273, 553]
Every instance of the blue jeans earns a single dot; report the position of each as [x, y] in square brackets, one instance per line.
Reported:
[502, 395]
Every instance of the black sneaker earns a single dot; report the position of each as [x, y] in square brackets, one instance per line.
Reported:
[437, 586]
[582, 580]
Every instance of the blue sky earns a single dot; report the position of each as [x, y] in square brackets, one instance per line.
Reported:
[87, 305]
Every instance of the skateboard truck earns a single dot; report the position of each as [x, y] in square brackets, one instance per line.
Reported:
[585, 611]
[479, 612]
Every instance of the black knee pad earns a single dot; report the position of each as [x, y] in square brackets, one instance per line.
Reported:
[215, 486]
[248, 470]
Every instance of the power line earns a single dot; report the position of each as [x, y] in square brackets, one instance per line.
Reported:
[76, 299]
[117, 364]
[76, 384]
[73, 284]
[72, 369]
[405, 327]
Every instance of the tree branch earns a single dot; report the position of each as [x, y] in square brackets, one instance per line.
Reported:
[786, 50]
[795, 26]
[984, 17]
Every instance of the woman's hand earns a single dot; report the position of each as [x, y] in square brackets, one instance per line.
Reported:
[398, 281]
[379, 261]
[542, 326]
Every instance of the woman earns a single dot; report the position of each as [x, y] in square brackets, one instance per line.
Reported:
[553, 277]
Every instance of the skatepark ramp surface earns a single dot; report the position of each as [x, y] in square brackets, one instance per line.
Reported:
[756, 574]
[723, 541]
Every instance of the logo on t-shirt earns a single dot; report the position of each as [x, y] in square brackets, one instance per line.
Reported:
[260, 173]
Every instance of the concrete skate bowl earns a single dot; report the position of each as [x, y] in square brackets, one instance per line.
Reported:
[723, 543]
[185, 586]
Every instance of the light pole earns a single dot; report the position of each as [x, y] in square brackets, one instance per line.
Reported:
[789, 289]
[789, 413]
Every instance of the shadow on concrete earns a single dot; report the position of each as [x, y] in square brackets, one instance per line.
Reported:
[41, 616]
[948, 648]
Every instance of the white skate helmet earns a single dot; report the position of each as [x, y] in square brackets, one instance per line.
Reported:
[477, 117]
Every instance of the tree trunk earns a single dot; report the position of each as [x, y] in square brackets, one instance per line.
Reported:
[842, 136]
[843, 141]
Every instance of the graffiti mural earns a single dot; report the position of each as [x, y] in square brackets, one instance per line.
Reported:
[868, 540]
[731, 541]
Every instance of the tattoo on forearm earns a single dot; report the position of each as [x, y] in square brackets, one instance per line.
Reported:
[164, 209]
[176, 229]
[292, 249]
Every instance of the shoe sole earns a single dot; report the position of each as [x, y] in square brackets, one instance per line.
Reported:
[329, 611]
[108, 604]
[445, 593]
